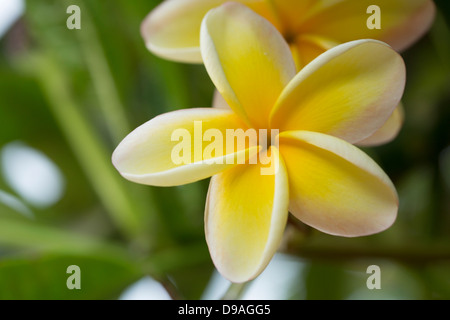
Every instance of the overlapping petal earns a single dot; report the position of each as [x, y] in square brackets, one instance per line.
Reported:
[247, 59]
[335, 187]
[149, 154]
[305, 48]
[388, 131]
[245, 217]
[348, 92]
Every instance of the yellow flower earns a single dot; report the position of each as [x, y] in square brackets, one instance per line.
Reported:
[340, 98]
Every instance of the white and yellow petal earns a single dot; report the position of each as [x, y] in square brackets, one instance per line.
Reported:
[171, 149]
[247, 59]
[219, 101]
[348, 92]
[388, 131]
[402, 21]
[335, 187]
[246, 214]
[172, 29]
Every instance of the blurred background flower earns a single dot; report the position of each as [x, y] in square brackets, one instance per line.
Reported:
[69, 96]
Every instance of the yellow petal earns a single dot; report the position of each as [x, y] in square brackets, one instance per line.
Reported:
[171, 148]
[388, 131]
[348, 92]
[335, 187]
[247, 59]
[293, 13]
[402, 21]
[172, 29]
[305, 48]
[245, 217]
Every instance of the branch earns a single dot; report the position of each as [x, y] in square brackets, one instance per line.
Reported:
[409, 254]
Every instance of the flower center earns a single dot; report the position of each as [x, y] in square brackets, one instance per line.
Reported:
[268, 138]
[290, 37]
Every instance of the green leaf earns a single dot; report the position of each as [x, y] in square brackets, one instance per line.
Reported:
[11, 205]
[438, 280]
[29, 235]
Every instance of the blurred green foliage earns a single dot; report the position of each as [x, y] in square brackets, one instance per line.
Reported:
[74, 94]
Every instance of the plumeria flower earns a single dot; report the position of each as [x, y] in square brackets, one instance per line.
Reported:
[340, 98]
[309, 26]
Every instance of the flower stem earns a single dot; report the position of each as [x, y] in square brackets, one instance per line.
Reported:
[410, 254]
[235, 291]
